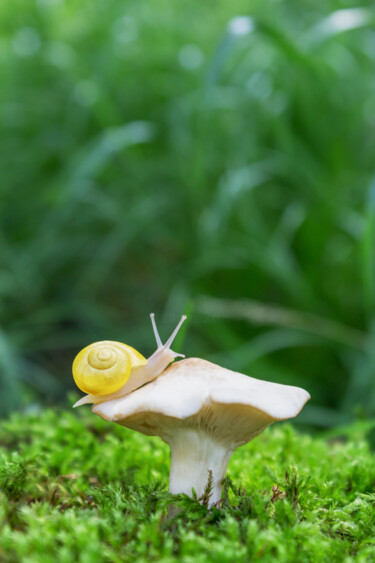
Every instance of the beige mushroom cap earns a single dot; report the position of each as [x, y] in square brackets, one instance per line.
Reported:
[231, 407]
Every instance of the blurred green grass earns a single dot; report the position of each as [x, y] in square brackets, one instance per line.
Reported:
[213, 160]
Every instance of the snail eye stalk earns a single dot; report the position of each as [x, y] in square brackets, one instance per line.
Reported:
[156, 332]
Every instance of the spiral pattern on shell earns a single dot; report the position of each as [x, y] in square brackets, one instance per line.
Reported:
[104, 367]
[103, 357]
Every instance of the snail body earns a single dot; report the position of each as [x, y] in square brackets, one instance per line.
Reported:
[107, 370]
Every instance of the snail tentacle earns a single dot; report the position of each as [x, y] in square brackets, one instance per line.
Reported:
[156, 332]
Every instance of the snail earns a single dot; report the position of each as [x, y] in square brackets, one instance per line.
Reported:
[108, 370]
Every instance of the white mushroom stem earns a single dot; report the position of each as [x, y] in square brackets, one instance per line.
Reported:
[140, 375]
[194, 454]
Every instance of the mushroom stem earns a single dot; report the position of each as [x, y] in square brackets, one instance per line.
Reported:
[194, 455]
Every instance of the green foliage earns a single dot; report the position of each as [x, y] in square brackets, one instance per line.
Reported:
[76, 488]
[155, 154]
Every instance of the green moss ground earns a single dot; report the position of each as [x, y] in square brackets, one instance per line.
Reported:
[74, 488]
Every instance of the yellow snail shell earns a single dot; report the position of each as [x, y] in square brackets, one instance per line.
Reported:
[104, 367]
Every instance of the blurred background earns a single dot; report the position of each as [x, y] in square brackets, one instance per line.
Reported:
[214, 159]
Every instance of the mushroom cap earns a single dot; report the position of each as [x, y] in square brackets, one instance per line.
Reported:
[231, 407]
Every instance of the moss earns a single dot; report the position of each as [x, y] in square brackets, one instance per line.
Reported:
[74, 488]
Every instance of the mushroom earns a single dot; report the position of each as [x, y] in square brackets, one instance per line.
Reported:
[204, 412]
